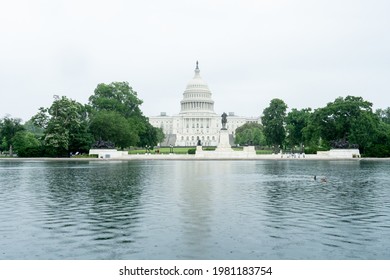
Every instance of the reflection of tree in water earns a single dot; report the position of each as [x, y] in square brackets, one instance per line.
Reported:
[97, 201]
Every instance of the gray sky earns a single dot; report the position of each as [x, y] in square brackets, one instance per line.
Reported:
[305, 52]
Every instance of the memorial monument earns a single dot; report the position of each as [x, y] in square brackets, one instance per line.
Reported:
[224, 150]
[223, 143]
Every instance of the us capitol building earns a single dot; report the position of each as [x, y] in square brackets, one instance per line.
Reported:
[197, 119]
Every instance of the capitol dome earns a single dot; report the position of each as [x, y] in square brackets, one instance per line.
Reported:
[197, 96]
[197, 122]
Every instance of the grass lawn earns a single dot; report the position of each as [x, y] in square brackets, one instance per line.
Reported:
[263, 152]
[184, 150]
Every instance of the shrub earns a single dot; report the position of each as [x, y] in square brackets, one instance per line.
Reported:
[378, 150]
[85, 156]
[31, 152]
[191, 151]
[313, 150]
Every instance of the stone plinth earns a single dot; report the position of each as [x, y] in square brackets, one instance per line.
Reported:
[108, 153]
[340, 153]
[250, 150]
[224, 150]
[223, 143]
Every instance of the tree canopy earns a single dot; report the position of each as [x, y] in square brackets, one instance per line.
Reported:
[114, 127]
[273, 120]
[383, 114]
[117, 117]
[347, 122]
[65, 125]
[296, 122]
[116, 97]
[26, 144]
[250, 133]
[349, 119]
[113, 115]
[9, 127]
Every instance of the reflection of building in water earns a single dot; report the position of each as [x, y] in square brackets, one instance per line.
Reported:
[197, 119]
[196, 208]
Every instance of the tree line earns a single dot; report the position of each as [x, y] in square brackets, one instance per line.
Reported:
[348, 122]
[112, 117]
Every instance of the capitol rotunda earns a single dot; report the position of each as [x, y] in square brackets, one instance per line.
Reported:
[197, 119]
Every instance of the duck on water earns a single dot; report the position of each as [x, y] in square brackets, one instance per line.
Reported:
[323, 179]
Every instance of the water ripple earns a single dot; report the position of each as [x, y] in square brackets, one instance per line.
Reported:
[194, 210]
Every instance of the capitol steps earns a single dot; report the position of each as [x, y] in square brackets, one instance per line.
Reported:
[170, 139]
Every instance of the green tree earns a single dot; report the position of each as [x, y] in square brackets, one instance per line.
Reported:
[296, 122]
[29, 126]
[149, 135]
[114, 127]
[349, 119]
[273, 120]
[250, 133]
[383, 115]
[381, 145]
[120, 98]
[160, 134]
[364, 130]
[26, 144]
[8, 129]
[65, 125]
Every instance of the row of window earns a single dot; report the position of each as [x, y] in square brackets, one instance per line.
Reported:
[197, 105]
[197, 95]
[200, 120]
[196, 86]
[193, 138]
[197, 125]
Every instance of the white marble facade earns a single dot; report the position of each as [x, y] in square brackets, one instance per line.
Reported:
[197, 119]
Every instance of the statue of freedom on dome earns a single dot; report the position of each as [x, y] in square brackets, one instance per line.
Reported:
[224, 120]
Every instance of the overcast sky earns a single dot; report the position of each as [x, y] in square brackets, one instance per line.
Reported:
[305, 52]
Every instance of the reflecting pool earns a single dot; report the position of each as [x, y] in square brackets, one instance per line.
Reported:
[194, 209]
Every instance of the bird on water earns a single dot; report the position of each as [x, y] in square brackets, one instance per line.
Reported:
[324, 179]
